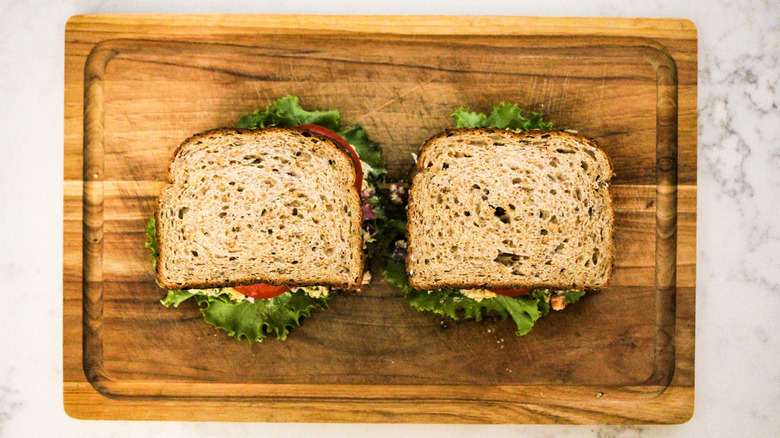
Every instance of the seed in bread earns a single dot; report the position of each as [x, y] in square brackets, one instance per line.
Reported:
[276, 206]
[492, 208]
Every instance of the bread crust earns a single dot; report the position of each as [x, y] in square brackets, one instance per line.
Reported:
[355, 205]
[520, 135]
[205, 135]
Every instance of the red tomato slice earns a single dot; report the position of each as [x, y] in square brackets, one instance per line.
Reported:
[511, 292]
[262, 291]
[337, 138]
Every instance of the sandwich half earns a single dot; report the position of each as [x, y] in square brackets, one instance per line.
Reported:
[276, 206]
[497, 209]
[263, 223]
[504, 216]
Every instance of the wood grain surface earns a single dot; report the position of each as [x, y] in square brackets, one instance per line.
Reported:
[136, 86]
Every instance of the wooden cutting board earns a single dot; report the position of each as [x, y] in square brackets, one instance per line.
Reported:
[136, 86]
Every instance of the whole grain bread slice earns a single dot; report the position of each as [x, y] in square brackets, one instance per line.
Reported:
[275, 206]
[498, 209]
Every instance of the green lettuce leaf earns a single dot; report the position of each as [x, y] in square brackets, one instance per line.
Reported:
[287, 111]
[368, 150]
[503, 115]
[395, 274]
[572, 296]
[176, 297]
[151, 239]
[399, 225]
[469, 119]
[524, 311]
[543, 295]
[255, 321]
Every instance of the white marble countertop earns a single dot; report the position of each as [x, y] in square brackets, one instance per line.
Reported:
[737, 347]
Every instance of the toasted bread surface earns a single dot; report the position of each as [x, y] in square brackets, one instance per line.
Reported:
[275, 206]
[498, 209]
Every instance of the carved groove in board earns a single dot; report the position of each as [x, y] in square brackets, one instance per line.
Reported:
[92, 341]
[666, 220]
[106, 51]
